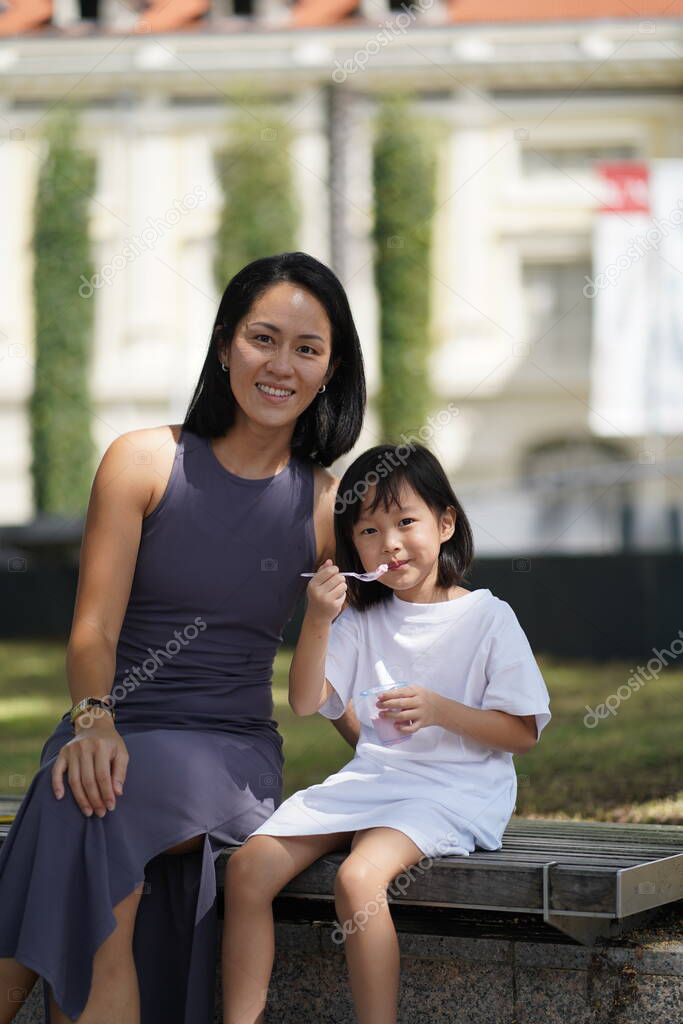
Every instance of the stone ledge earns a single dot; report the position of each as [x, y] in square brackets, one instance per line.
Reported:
[491, 981]
[447, 979]
[518, 976]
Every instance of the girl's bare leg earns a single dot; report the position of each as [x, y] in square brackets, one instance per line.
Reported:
[16, 982]
[254, 876]
[377, 856]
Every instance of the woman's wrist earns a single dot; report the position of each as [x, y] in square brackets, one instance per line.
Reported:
[94, 718]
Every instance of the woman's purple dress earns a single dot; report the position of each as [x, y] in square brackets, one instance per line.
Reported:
[216, 580]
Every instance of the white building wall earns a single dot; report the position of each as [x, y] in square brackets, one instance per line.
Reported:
[507, 393]
[514, 391]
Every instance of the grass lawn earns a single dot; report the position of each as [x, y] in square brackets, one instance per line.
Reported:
[627, 768]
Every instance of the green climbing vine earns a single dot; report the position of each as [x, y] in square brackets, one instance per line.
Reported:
[404, 179]
[59, 407]
[260, 212]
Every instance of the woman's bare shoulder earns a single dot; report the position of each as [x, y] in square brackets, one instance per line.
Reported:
[148, 454]
[326, 484]
[153, 438]
[325, 477]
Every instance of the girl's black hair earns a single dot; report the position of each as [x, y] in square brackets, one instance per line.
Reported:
[330, 425]
[388, 466]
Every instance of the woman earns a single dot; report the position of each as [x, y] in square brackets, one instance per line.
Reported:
[193, 546]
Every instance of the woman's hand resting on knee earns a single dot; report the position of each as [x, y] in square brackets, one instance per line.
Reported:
[96, 760]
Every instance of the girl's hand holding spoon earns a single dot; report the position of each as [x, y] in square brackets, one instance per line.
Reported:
[326, 592]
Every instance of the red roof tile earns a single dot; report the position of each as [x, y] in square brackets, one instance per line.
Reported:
[561, 10]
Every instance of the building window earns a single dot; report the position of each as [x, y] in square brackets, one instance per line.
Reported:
[582, 495]
[558, 317]
[546, 160]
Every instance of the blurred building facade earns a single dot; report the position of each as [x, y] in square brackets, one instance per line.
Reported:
[529, 103]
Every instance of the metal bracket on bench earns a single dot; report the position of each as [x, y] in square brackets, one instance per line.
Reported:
[579, 925]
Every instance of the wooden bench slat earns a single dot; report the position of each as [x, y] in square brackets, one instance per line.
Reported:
[606, 860]
[593, 841]
[607, 870]
[478, 885]
[559, 850]
[597, 828]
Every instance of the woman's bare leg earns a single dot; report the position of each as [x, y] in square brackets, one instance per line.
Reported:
[254, 876]
[16, 982]
[114, 993]
[377, 856]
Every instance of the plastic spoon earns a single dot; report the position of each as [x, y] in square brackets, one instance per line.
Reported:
[366, 577]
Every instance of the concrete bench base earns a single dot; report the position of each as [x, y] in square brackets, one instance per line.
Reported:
[452, 979]
[448, 980]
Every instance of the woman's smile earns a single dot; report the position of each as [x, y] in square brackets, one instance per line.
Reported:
[274, 394]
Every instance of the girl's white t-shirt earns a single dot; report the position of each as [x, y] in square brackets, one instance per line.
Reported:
[471, 649]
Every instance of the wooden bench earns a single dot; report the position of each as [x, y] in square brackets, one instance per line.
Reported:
[585, 880]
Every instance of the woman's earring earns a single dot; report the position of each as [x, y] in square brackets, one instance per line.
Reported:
[224, 368]
[320, 390]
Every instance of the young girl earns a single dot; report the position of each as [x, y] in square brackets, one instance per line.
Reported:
[433, 771]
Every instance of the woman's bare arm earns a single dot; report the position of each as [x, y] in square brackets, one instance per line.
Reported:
[120, 493]
[96, 759]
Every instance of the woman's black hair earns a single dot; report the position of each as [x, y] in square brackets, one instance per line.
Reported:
[387, 467]
[331, 424]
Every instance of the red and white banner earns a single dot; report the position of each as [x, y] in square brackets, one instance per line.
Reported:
[666, 356]
[637, 289]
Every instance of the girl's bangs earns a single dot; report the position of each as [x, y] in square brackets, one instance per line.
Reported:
[387, 490]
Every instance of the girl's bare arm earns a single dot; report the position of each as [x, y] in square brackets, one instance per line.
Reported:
[515, 733]
[326, 593]
[308, 688]
[348, 726]
[307, 679]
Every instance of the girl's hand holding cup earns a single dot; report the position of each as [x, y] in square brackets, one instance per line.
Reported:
[410, 707]
[326, 592]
